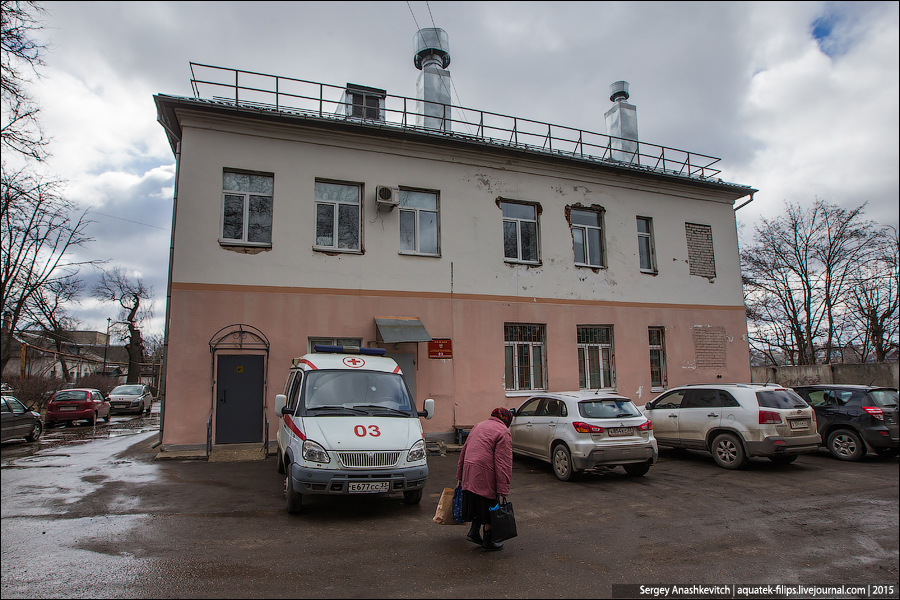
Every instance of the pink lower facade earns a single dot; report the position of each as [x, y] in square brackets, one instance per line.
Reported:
[465, 387]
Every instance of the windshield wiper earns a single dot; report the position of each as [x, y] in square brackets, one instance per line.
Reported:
[619, 416]
[335, 407]
[385, 408]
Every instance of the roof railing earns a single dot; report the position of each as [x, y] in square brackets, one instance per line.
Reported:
[287, 95]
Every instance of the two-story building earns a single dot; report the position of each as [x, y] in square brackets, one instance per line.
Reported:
[490, 255]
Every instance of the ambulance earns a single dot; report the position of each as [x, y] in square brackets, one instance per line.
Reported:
[349, 425]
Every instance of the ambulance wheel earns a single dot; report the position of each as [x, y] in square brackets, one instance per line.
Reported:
[293, 500]
[412, 496]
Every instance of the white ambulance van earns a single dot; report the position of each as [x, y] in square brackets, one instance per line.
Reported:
[349, 425]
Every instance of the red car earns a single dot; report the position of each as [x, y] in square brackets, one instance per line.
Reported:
[77, 405]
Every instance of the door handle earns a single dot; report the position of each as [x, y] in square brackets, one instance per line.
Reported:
[673, 416]
[712, 415]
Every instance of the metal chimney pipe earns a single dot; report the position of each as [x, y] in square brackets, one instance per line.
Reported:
[432, 57]
[621, 125]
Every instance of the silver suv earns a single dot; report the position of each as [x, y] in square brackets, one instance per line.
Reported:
[576, 431]
[735, 422]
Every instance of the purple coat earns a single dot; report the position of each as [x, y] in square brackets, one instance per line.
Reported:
[485, 461]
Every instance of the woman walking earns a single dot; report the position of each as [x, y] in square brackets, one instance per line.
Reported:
[485, 469]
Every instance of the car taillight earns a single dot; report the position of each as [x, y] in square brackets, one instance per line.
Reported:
[875, 412]
[768, 416]
[648, 426]
[582, 427]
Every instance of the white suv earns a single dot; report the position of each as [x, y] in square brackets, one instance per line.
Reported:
[735, 422]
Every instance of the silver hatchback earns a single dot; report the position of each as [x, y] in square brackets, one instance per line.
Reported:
[576, 431]
[131, 397]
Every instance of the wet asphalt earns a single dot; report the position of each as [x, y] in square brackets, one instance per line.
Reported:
[87, 512]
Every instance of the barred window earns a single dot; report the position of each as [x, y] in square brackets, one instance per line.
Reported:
[525, 357]
[247, 208]
[596, 368]
[657, 357]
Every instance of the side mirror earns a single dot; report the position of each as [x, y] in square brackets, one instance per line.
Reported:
[647, 406]
[280, 403]
[429, 409]
[512, 411]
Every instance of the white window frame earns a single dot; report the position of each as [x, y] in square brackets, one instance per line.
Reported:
[658, 351]
[418, 213]
[335, 341]
[517, 221]
[513, 358]
[646, 237]
[245, 218]
[586, 244]
[592, 340]
[335, 218]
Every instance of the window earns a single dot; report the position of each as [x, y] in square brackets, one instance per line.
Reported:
[322, 341]
[337, 216]
[520, 232]
[525, 357]
[657, 358]
[247, 208]
[587, 237]
[419, 222]
[645, 244]
[595, 357]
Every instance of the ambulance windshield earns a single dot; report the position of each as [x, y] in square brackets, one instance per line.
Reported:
[369, 390]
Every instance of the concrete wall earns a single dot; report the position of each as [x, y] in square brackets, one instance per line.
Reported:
[881, 374]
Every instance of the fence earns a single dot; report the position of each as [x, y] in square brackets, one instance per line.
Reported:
[879, 374]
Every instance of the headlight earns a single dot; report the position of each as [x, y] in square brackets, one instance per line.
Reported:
[417, 452]
[314, 452]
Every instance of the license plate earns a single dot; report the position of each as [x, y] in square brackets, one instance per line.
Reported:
[613, 431]
[62, 408]
[368, 487]
[799, 423]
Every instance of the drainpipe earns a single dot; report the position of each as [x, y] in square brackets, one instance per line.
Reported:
[165, 360]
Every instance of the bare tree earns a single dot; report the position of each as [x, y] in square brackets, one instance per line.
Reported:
[21, 131]
[135, 302]
[47, 310]
[874, 299]
[796, 275]
[40, 229]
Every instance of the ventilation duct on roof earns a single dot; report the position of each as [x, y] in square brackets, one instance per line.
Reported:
[432, 57]
[621, 124]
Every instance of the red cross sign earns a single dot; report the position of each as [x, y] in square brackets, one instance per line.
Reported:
[354, 362]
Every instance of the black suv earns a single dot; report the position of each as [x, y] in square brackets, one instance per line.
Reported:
[855, 418]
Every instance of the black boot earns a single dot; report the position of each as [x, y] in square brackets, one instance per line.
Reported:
[474, 534]
[489, 543]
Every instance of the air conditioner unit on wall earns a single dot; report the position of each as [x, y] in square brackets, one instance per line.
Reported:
[386, 197]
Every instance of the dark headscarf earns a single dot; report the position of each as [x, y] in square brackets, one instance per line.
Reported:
[502, 414]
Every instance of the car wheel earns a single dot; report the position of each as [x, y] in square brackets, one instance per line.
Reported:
[36, 432]
[784, 460]
[728, 452]
[412, 496]
[637, 469]
[93, 419]
[150, 407]
[844, 444]
[562, 463]
[293, 500]
[887, 452]
[279, 462]
[108, 416]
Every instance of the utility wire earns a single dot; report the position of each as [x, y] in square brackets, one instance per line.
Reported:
[129, 220]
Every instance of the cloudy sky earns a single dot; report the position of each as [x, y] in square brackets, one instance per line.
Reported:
[798, 99]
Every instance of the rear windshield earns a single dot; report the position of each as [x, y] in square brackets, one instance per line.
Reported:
[614, 408]
[884, 398]
[362, 390]
[70, 396]
[128, 390]
[780, 399]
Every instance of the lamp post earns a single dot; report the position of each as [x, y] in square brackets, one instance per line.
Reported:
[106, 349]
